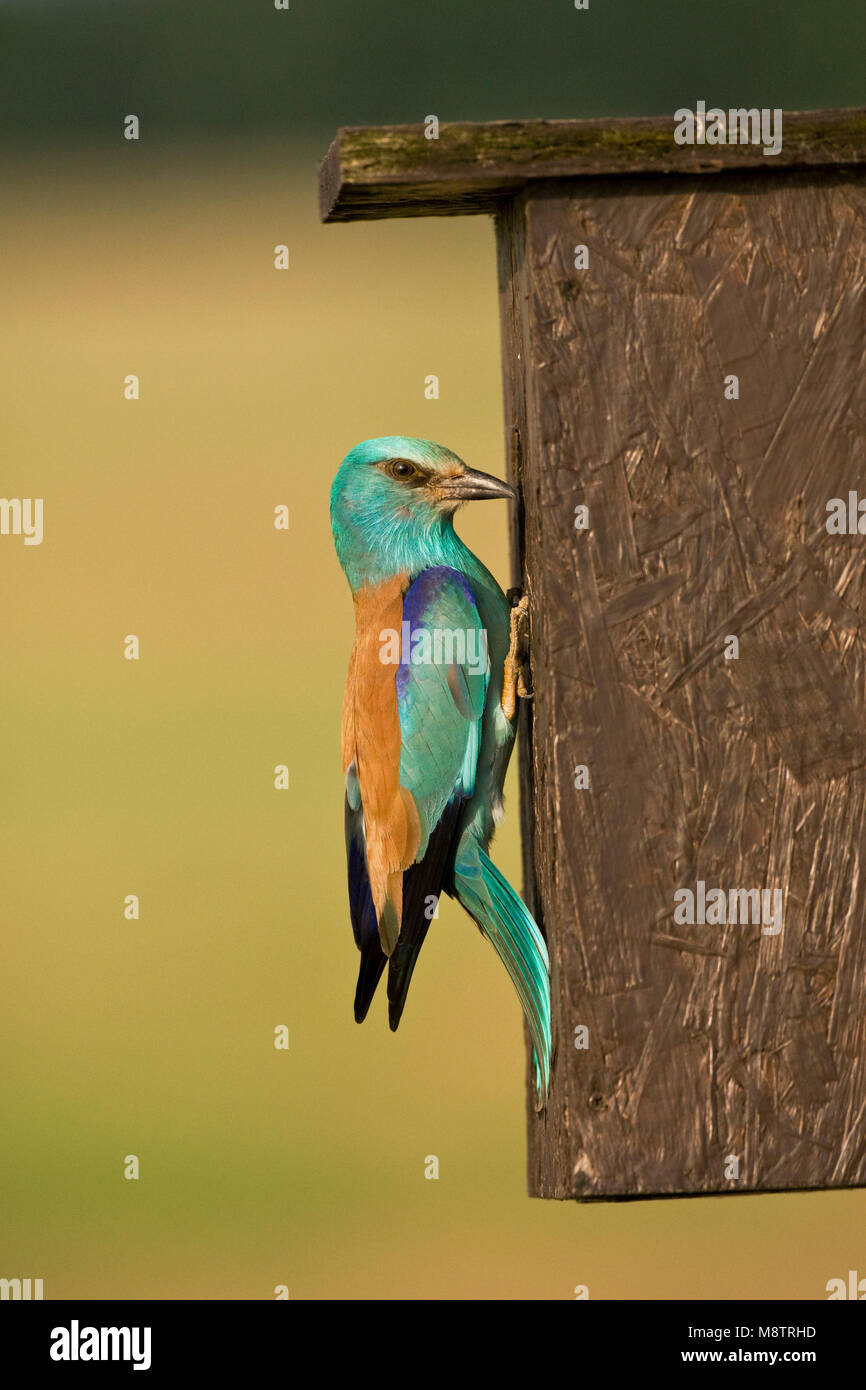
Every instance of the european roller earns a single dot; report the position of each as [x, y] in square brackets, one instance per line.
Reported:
[428, 722]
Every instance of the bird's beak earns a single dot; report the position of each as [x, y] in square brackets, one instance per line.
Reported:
[471, 486]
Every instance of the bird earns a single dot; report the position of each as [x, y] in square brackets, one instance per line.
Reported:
[426, 741]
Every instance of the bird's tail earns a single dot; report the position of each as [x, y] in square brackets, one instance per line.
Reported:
[506, 922]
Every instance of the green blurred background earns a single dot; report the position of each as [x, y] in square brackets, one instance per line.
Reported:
[155, 1037]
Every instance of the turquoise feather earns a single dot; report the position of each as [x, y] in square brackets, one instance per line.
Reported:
[505, 921]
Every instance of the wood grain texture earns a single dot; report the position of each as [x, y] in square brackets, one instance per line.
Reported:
[707, 518]
[394, 171]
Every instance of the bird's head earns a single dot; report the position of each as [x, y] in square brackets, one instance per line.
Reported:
[392, 503]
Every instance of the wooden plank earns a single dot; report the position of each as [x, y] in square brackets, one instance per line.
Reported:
[707, 517]
[394, 171]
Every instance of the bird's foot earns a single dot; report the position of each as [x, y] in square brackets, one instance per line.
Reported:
[514, 679]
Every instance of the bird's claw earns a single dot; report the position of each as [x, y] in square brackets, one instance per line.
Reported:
[513, 680]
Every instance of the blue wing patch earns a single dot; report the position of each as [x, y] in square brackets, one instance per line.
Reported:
[441, 688]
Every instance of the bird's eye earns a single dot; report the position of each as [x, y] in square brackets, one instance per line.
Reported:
[400, 468]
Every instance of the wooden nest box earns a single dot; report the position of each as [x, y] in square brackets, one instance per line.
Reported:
[683, 343]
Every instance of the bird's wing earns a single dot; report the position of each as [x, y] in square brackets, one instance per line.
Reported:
[441, 706]
[439, 689]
